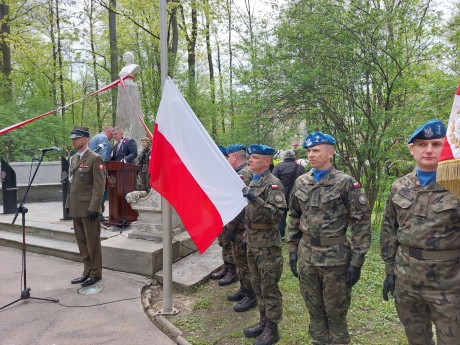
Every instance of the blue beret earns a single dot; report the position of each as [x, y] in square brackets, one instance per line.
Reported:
[318, 138]
[433, 129]
[261, 150]
[222, 149]
[79, 131]
[235, 148]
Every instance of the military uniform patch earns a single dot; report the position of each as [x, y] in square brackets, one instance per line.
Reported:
[362, 199]
[101, 166]
[278, 198]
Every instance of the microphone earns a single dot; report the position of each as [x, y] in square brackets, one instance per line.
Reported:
[99, 148]
[54, 148]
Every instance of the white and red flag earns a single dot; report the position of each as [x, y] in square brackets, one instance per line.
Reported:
[448, 172]
[188, 169]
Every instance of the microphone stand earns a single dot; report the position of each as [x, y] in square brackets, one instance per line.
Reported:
[25, 294]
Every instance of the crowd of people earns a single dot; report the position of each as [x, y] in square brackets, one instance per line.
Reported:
[420, 241]
[328, 233]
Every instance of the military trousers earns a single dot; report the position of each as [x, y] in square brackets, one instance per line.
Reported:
[327, 298]
[241, 260]
[266, 266]
[419, 306]
[88, 236]
[226, 244]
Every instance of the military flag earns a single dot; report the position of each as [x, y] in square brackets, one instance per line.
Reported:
[188, 169]
[448, 173]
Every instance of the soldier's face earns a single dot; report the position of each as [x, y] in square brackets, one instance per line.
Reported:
[320, 156]
[80, 143]
[426, 153]
[259, 163]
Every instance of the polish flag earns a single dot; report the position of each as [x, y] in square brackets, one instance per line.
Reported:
[188, 169]
[448, 172]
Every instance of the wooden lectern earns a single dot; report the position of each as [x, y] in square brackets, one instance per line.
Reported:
[122, 179]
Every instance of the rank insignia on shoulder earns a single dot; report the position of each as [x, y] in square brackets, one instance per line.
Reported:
[356, 185]
[275, 186]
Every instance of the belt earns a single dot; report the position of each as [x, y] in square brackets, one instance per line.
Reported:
[324, 241]
[262, 226]
[422, 254]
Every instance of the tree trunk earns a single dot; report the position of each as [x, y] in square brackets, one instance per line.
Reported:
[93, 53]
[113, 56]
[6, 84]
[230, 53]
[212, 83]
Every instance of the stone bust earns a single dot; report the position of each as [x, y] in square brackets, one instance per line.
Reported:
[130, 67]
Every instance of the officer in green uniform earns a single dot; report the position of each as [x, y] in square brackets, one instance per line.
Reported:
[266, 206]
[227, 274]
[420, 244]
[236, 233]
[323, 204]
[87, 177]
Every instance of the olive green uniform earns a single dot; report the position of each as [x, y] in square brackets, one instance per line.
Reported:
[320, 214]
[420, 244]
[87, 176]
[264, 244]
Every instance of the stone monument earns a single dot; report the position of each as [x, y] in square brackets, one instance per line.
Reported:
[128, 102]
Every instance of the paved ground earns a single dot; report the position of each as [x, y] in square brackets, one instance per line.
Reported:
[113, 316]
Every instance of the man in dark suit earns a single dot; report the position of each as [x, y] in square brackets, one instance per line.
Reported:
[87, 180]
[126, 149]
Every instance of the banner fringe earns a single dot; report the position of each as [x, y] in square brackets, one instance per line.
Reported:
[448, 175]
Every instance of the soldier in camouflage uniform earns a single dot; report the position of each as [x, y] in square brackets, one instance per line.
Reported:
[236, 232]
[420, 244]
[324, 202]
[266, 206]
[227, 273]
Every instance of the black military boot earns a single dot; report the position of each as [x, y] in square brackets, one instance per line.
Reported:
[269, 335]
[257, 329]
[220, 273]
[230, 277]
[249, 301]
[236, 296]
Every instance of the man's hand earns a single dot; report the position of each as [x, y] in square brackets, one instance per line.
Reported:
[244, 245]
[293, 263]
[67, 210]
[93, 215]
[388, 286]
[249, 194]
[353, 274]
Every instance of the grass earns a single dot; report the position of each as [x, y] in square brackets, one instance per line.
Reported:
[208, 318]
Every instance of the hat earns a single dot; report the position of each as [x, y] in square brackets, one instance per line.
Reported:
[79, 131]
[433, 129]
[223, 149]
[261, 150]
[235, 148]
[318, 138]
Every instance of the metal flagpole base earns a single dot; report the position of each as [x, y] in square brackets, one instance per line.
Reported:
[174, 311]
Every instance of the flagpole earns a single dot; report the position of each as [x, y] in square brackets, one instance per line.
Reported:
[168, 308]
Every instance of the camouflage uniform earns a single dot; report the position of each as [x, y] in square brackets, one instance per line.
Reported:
[420, 244]
[226, 245]
[320, 212]
[238, 226]
[264, 244]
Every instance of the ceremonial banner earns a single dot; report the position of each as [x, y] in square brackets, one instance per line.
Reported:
[188, 169]
[448, 173]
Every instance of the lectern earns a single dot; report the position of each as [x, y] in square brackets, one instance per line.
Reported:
[122, 179]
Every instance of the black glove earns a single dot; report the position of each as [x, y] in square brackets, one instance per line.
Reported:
[353, 274]
[244, 245]
[93, 215]
[293, 263]
[388, 286]
[249, 194]
[67, 210]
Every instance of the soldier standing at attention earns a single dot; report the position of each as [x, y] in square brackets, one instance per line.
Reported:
[227, 273]
[236, 233]
[420, 244]
[266, 206]
[87, 179]
[324, 202]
